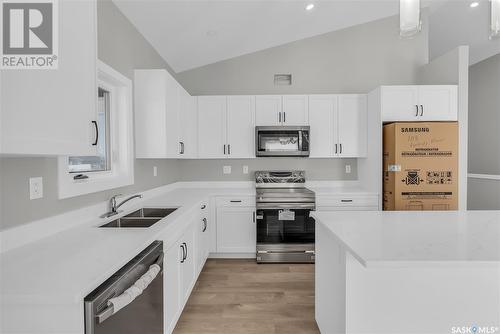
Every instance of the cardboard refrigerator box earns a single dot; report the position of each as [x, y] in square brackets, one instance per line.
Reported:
[421, 166]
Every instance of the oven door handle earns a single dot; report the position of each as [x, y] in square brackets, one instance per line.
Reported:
[291, 206]
[131, 293]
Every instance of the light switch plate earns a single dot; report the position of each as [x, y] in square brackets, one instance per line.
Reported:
[245, 169]
[226, 169]
[348, 169]
[36, 187]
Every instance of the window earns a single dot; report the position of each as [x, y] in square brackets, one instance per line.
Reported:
[112, 166]
[101, 161]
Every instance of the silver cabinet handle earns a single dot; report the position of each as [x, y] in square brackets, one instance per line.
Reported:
[183, 253]
[203, 207]
[416, 105]
[235, 201]
[346, 200]
[253, 216]
[340, 148]
[284, 117]
[421, 110]
[224, 149]
[229, 149]
[279, 117]
[336, 148]
[205, 225]
[96, 133]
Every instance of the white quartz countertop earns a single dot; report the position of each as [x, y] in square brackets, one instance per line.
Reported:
[417, 238]
[66, 266]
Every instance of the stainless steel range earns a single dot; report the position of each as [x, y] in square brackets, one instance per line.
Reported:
[285, 230]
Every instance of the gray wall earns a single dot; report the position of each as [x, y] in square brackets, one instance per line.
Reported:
[484, 117]
[121, 46]
[316, 169]
[353, 60]
[484, 125]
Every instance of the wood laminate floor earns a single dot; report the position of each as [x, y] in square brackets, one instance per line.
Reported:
[241, 296]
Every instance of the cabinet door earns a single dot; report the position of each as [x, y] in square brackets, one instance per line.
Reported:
[212, 127]
[322, 109]
[268, 110]
[188, 271]
[399, 103]
[241, 126]
[236, 231]
[295, 110]
[172, 286]
[438, 103]
[188, 126]
[173, 103]
[352, 126]
[50, 112]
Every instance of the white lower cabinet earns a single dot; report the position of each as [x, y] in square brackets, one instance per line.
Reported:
[203, 230]
[180, 275]
[236, 226]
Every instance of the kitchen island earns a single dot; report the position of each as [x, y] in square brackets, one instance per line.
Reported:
[408, 272]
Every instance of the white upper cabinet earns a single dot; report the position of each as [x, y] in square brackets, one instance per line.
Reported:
[322, 113]
[419, 103]
[240, 127]
[226, 127]
[268, 110]
[212, 127]
[273, 110]
[338, 125]
[352, 128]
[165, 117]
[295, 110]
[188, 138]
[50, 112]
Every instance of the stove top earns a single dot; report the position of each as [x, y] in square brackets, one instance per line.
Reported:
[283, 189]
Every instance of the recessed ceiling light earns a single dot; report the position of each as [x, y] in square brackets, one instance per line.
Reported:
[474, 4]
[310, 6]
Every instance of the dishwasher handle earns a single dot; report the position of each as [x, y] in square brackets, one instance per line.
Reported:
[110, 309]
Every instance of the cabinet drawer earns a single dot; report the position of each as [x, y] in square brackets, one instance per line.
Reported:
[347, 201]
[235, 201]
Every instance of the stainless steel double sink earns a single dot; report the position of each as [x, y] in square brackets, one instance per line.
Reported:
[144, 217]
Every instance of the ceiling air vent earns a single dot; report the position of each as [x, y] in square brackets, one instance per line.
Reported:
[282, 79]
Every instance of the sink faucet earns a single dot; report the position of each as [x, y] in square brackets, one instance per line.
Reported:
[113, 207]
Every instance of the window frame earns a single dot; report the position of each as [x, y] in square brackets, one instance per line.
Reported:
[121, 152]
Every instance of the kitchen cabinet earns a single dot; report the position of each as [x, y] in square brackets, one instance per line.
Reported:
[274, 110]
[236, 226]
[353, 202]
[268, 110]
[338, 125]
[295, 110]
[162, 115]
[179, 275]
[226, 127]
[188, 126]
[419, 103]
[203, 236]
[50, 112]
[212, 127]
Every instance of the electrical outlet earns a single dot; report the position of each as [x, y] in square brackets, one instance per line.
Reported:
[155, 171]
[245, 169]
[226, 169]
[36, 187]
[348, 169]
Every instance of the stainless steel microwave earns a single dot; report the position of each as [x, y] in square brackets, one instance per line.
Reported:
[282, 141]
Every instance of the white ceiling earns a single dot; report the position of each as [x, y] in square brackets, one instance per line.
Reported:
[189, 34]
[456, 23]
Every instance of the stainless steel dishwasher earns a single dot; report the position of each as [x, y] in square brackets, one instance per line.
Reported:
[144, 314]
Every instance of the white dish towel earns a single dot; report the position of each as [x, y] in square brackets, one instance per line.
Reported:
[135, 290]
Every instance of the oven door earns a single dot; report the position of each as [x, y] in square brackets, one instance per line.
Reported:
[285, 235]
[281, 141]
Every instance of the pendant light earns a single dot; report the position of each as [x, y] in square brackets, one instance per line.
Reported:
[495, 18]
[410, 23]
